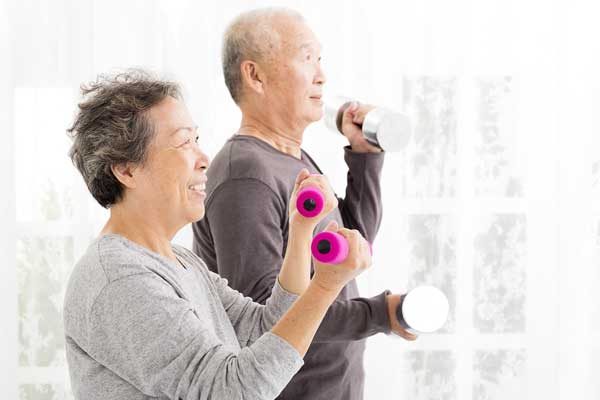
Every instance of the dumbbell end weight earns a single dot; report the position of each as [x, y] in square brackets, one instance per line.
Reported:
[310, 202]
[329, 247]
[423, 310]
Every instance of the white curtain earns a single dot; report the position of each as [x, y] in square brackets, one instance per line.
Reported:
[494, 201]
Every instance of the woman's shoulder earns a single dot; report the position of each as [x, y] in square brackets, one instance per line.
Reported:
[119, 257]
[108, 258]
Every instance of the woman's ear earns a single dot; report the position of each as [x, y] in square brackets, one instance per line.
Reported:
[252, 76]
[124, 174]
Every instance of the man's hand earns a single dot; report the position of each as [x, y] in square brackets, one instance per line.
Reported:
[352, 120]
[392, 303]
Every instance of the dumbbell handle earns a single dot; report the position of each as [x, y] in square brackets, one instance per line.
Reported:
[331, 247]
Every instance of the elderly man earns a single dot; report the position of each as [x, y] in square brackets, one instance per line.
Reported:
[271, 64]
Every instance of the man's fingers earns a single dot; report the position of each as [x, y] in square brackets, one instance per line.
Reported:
[407, 335]
[360, 113]
[350, 112]
[410, 336]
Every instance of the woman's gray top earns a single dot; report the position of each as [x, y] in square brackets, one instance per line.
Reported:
[140, 326]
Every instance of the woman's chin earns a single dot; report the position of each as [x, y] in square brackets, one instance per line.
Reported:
[195, 214]
[198, 216]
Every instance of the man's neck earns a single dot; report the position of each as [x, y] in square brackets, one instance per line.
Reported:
[286, 139]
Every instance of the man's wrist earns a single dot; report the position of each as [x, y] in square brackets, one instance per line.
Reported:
[362, 148]
[366, 149]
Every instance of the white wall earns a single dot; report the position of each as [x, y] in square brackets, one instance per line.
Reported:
[496, 200]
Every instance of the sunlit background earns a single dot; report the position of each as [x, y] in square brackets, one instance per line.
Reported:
[495, 201]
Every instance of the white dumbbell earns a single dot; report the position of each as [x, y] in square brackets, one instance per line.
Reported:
[423, 310]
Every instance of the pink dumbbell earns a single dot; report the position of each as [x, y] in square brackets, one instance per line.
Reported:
[310, 201]
[331, 247]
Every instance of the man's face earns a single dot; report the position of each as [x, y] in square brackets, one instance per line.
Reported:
[173, 178]
[295, 80]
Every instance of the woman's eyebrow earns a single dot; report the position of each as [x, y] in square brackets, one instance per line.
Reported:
[186, 128]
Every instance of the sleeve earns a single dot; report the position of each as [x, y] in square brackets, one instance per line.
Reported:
[142, 331]
[354, 319]
[362, 207]
[246, 220]
[251, 320]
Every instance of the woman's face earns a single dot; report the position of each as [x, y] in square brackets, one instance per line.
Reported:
[174, 176]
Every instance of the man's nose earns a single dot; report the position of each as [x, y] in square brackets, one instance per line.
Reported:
[320, 78]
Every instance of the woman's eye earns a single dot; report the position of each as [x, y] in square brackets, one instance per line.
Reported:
[197, 138]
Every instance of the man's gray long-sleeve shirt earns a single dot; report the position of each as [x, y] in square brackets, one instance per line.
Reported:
[141, 326]
[244, 235]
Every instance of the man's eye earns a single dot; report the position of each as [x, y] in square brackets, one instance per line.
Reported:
[197, 138]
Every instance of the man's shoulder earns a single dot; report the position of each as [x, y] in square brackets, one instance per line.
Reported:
[246, 159]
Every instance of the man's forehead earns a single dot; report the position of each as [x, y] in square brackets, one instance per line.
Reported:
[297, 34]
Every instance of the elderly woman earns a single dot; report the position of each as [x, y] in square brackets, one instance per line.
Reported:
[145, 318]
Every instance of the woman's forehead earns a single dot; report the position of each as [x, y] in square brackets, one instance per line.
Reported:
[170, 116]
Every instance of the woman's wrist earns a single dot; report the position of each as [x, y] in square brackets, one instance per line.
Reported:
[302, 224]
[316, 288]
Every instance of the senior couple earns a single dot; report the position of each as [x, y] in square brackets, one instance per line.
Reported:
[248, 314]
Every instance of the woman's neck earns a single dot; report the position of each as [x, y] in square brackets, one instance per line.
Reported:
[133, 226]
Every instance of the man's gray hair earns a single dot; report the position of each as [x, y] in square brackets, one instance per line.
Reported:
[112, 127]
[250, 36]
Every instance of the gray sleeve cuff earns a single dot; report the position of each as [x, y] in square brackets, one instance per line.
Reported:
[356, 160]
[280, 301]
[281, 359]
[381, 319]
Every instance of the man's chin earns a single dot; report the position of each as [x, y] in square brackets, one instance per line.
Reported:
[317, 115]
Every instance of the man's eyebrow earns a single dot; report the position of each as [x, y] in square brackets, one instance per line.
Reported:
[306, 45]
[309, 46]
[185, 128]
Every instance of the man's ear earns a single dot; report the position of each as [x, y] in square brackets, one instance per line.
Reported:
[125, 174]
[252, 76]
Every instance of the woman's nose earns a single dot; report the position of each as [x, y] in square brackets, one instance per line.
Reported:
[202, 161]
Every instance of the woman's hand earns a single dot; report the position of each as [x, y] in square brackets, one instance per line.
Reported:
[330, 202]
[333, 277]
[295, 270]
